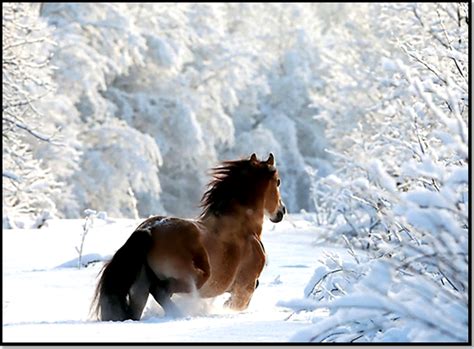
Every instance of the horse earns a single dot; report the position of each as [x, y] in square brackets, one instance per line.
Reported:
[219, 251]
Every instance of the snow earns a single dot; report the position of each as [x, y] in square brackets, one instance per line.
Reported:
[426, 198]
[46, 298]
[85, 260]
[317, 276]
[459, 175]
[10, 175]
[377, 172]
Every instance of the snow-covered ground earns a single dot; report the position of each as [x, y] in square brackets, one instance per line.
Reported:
[46, 297]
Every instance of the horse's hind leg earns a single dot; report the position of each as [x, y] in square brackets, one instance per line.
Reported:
[138, 294]
[160, 290]
[113, 308]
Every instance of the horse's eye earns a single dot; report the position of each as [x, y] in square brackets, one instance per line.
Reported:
[278, 182]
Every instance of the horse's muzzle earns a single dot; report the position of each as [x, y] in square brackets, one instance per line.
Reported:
[279, 215]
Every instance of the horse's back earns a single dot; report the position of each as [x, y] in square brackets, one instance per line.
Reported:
[175, 233]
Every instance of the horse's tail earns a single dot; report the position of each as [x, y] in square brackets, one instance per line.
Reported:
[111, 299]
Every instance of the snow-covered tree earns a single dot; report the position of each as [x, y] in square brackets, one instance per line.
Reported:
[399, 200]
[206, 86]
[278, 102]
[96, 44]
[216, 81]
[120, 169]
[27, 183]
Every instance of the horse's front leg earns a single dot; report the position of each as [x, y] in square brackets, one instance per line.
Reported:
[246, 280]
[240, 296]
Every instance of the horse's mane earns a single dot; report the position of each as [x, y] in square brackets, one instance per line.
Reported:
[233, 182]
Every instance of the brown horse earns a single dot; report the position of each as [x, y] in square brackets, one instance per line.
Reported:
[219, 252]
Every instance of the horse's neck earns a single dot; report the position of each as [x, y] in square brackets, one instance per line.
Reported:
[245, 222]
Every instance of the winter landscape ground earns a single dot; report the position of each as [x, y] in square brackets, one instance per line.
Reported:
[46, 297]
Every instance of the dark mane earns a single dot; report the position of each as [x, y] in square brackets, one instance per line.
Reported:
[233, 182]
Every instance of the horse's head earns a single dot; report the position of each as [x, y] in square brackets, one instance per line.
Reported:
[274, 207]
[244, 183]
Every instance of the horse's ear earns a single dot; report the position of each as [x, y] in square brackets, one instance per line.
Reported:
[253, 157]
[271, 160]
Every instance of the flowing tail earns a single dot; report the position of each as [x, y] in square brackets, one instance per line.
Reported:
[112, 295]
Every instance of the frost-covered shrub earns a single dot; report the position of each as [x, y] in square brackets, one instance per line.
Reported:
[400, 197]
[378, 304]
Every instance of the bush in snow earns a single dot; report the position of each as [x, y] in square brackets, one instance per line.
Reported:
[400, 197]
[86, 227]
